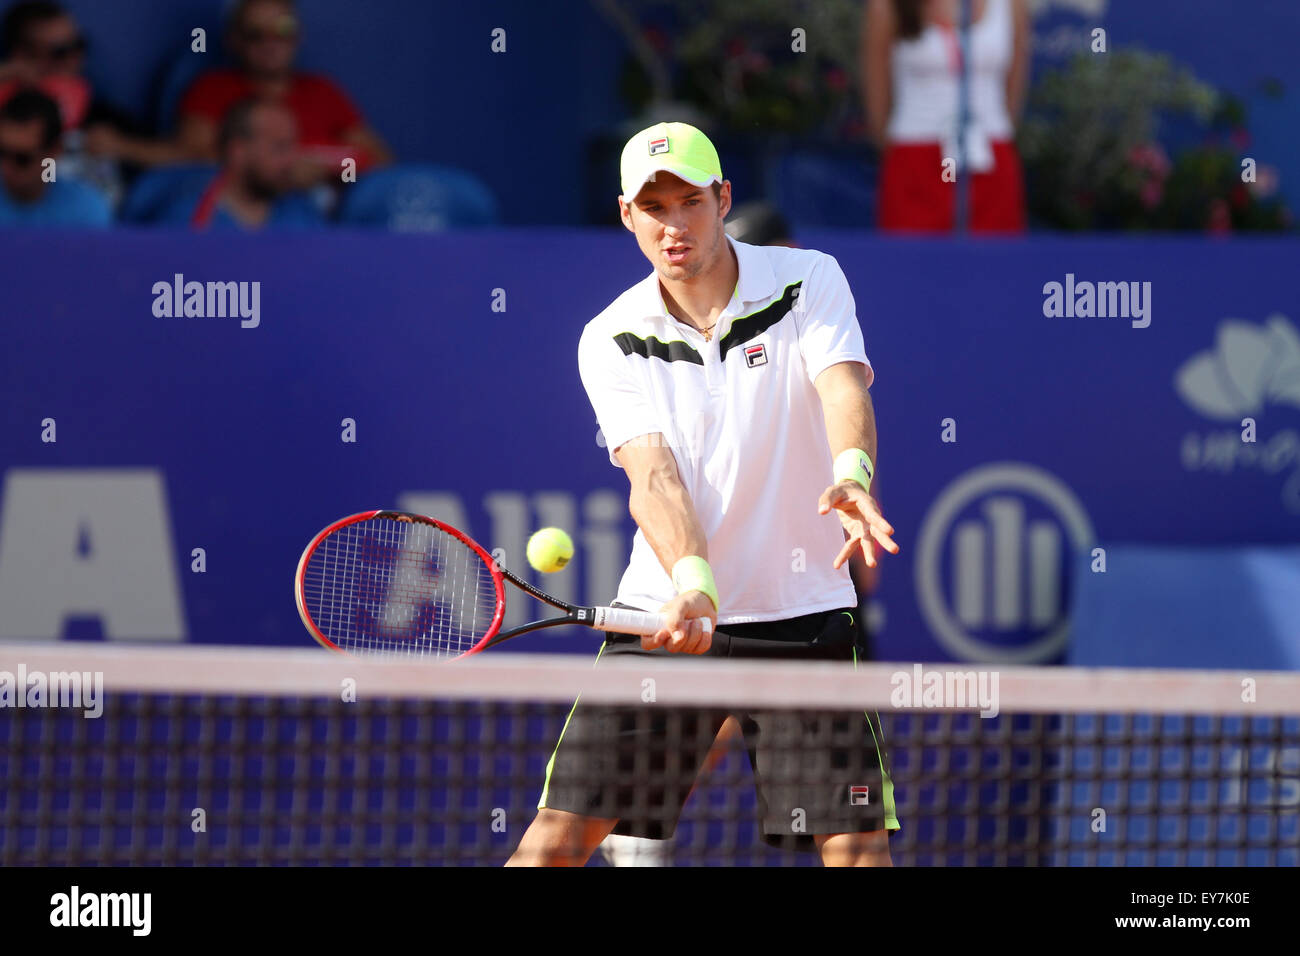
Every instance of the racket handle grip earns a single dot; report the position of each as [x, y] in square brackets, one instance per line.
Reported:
[627, 621]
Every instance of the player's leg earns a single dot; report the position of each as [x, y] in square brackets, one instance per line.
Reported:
[821, 777]
[620, 850]
[560, 838]
[854, 849]
[630, 766]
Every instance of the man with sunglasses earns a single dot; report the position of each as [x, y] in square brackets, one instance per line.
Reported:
[39, 39]
[31, 133]
[45, 48]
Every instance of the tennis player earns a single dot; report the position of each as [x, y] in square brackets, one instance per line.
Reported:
[731, 385]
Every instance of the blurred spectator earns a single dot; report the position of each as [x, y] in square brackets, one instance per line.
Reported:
[254, 188]
[911, 65]
[263, 38]
[44, 48]
[31, 132]
[759, 223]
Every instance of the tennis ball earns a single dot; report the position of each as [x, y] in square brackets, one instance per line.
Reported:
[549, 550]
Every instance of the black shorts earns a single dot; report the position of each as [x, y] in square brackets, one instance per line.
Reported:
[815, 773]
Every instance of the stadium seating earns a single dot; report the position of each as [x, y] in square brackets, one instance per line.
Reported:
[418, 198]
[154, 197]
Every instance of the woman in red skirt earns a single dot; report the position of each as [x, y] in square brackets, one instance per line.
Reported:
[911, 68]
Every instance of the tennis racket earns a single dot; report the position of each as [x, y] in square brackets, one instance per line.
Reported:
[387, 583]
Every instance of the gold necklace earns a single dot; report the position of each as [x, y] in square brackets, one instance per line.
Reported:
[708, 333]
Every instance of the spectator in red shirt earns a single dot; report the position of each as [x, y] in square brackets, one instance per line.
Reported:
[263, 37]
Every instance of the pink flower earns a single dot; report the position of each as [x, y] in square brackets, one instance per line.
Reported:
[1267, 181]
[1151, 193]
[1150, 158]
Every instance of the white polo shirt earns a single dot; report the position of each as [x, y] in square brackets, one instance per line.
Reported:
[744, 423]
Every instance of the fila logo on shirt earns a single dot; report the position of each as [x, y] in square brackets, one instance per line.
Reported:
[857, 796]
[756, 355]
[659, 145]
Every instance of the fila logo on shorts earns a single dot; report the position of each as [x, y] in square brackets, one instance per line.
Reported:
[659, 145]
[857, 796]
[756, 355]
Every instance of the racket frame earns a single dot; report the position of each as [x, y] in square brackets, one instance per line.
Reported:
[573, 613]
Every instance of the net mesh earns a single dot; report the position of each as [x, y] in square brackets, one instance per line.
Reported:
[257, 757]
[387, 587]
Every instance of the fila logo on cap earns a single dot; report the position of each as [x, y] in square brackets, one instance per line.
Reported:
[659, 145]
[857, 795]
[756, 355]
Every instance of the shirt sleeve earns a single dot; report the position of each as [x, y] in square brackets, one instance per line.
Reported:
[209, 96]
[343, 113]
[827, 320]
[617, 395]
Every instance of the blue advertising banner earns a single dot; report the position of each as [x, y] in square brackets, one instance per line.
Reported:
[168, 448]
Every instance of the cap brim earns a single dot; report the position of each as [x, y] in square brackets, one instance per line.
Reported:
[696, 177]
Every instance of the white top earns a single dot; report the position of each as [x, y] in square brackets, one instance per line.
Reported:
[926, 86]
[744, 423]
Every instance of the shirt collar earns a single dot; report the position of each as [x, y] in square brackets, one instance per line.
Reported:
[757, 282]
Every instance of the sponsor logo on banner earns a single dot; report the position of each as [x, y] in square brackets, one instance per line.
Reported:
[1250, 375]
[993, 563]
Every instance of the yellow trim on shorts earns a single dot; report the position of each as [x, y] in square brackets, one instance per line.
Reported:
[550, 764]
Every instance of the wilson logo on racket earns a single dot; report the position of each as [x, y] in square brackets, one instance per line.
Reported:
[857, 796]
[756, 355]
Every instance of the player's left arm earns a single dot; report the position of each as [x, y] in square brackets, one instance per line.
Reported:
[851, 423]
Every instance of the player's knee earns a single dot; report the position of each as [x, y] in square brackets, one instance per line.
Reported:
[856, 849]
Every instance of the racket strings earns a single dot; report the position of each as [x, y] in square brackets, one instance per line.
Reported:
[395, 588]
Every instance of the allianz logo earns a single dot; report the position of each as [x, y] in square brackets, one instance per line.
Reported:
[993, 560]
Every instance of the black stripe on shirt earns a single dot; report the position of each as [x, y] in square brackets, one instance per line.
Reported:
[653, 348]
[752, 326]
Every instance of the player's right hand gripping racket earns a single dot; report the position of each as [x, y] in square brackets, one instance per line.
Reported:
[386, 583]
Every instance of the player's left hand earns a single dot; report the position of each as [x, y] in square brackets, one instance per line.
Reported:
[860, 515]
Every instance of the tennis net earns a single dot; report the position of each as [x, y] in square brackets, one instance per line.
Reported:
[216, 756]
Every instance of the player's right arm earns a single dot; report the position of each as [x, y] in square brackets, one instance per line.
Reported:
[663, 510]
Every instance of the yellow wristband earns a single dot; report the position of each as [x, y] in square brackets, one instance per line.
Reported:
[856, 464]
[692, 573]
